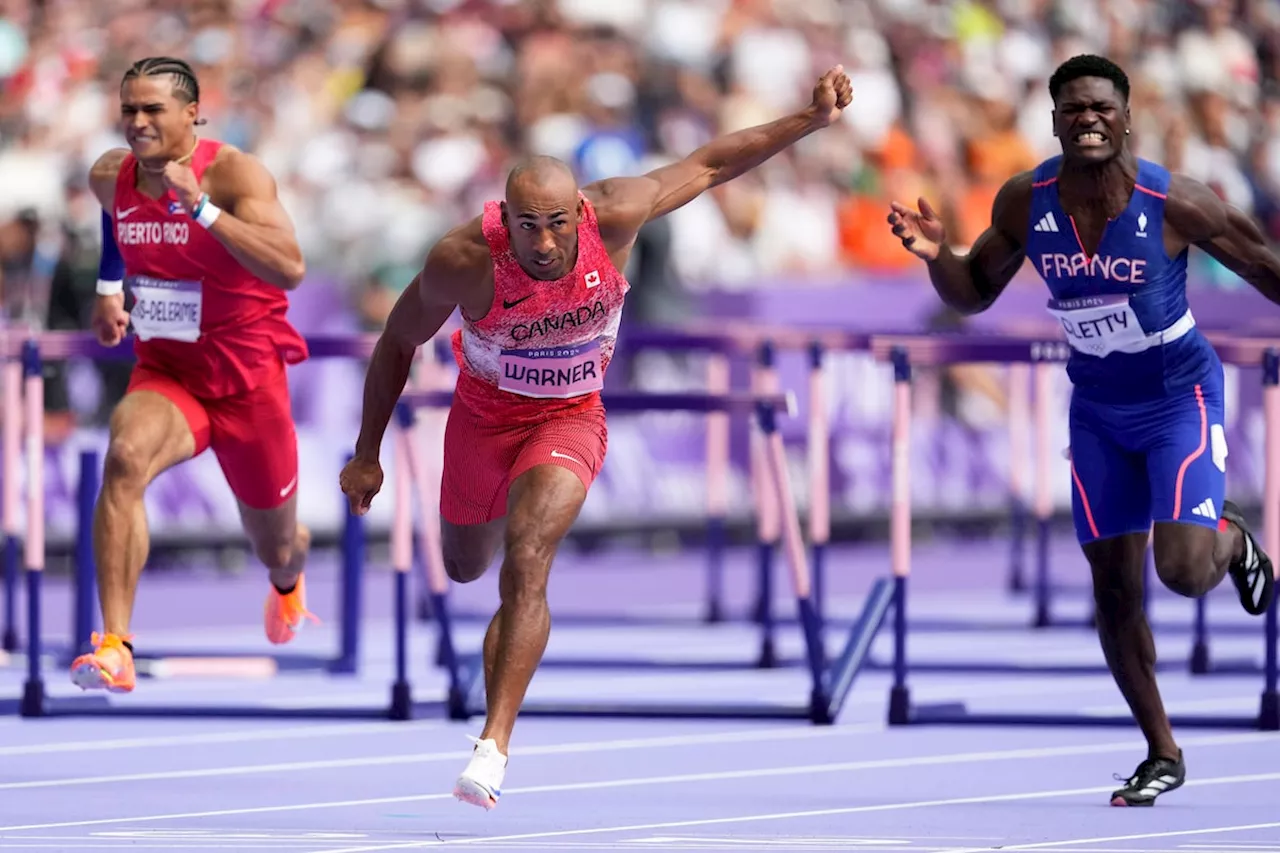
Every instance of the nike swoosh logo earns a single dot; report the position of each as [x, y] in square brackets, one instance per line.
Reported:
[284, 493]
[506, 304]
[558, 455]
[124, 214]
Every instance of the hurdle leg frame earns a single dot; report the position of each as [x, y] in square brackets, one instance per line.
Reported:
[34, 701]
[11, 380]
[830, 682]
[902, 711]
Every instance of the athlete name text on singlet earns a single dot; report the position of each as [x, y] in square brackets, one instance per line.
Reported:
[197, 313]
[1124, 309]
[542, 340]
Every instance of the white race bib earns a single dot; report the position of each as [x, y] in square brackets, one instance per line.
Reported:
[1099, 325]
[165, 309]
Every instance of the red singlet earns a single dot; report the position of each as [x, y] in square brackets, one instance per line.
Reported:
[199, 313]
[210, 336]
[530, 374]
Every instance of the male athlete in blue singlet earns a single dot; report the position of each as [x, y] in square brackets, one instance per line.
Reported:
[1109, 234]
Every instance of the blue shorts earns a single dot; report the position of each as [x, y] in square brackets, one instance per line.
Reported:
[1159, 460]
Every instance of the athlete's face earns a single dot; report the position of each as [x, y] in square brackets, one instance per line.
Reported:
[543, 224]
[156, 124]
[1090, 119]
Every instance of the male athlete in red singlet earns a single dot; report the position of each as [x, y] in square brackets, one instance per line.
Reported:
[195, 229]
[537, 281]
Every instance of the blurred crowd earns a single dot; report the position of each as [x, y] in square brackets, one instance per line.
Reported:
[388, 121]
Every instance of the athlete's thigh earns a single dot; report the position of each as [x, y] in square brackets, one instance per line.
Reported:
[256, 444]
[576, 441]
[543, 503]
[1187, 457]
[1110, 495]
[156, 425]
[478, 455]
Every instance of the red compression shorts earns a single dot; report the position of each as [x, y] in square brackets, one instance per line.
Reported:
[483, 456]
[252, 434]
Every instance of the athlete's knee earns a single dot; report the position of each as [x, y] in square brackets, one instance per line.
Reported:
[1189, 575]
[1116, 565]
[469, 549]
[525, 570]
[126, 466]
[1184, 558]
[464, 568]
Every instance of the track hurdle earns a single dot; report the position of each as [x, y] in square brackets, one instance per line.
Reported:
[36, 702]
[904, 352]
[11, 444]
[760, 345]
[831, 682]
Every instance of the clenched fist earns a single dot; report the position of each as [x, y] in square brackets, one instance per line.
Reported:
[831, 95]
[110, 321]
[360, 480]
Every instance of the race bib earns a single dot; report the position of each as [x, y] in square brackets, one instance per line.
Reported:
[552, 372]
[165, 309]
[1098, 325]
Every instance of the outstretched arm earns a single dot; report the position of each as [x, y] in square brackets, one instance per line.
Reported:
[635, 201]
[244, 212]
[971, 282]
[1226, 233]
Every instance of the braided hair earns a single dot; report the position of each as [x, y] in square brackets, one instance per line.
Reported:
[186, 87]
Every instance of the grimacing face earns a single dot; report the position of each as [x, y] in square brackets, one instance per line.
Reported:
[1090, 119]
[156, 122]
[543, 225]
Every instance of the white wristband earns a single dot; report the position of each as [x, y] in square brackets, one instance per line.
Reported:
[109, 288]
[209, 213]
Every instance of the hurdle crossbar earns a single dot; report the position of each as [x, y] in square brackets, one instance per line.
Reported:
[759, 344]
[831, 681]
[35, 701]
[905, 351]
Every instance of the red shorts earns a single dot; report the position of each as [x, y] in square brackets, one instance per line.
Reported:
[252, 434]
[484, 455]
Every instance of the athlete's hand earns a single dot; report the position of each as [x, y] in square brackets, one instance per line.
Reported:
[361, 479]
[110, 321]
[832, 94]
[920, 231]
[179, 178]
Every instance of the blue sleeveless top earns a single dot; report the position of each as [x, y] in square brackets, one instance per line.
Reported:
[1124, 311]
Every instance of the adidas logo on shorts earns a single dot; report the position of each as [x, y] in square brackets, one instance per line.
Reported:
[1204, 508]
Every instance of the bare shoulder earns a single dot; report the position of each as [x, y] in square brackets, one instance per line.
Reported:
[1012, 207]
[458, 266]
[461, 250]
[1193, 210]
[103, 174]
[235, 172]
[623, 205]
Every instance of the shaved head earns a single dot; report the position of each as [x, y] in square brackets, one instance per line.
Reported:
[541, 175]
[541, 213]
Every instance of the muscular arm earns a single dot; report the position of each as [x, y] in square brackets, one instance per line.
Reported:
[1226, 233]
[253, 225]
[451, 276]
[103, 175]
[971, 282]
[626, 204]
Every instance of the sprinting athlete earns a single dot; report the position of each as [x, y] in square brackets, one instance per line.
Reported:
[1109, 234]
[194, 228]
[537, 278]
